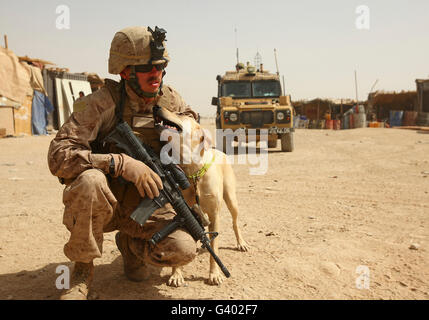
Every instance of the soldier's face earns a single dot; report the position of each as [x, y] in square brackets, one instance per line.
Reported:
[150, 81]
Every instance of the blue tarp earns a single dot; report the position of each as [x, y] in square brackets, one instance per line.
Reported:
[40, 110]
[395, 118]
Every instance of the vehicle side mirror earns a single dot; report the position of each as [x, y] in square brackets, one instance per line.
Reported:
[215, 101]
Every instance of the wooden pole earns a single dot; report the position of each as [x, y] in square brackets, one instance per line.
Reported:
[5, 42]
[318, 110]
[357, 99]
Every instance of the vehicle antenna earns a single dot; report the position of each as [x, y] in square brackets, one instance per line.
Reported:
[275, 57]
[373, 86]
[236, 45]
[258, 60]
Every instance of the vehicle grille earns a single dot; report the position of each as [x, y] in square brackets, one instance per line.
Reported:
[256, 118]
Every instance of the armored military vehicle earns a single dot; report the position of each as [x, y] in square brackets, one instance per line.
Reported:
[250, 98]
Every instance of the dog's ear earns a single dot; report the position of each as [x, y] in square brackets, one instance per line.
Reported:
[206, 138]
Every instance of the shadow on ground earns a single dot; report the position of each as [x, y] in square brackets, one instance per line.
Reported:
[109, 283]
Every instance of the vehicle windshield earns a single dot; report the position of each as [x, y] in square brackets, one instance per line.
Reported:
[266, 89]
[236, 89]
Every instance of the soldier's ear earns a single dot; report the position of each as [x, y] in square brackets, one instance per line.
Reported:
[125, 74]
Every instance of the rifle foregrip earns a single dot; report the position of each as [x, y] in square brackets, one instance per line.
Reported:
[189, 221]
[185, 219]
[158, 236]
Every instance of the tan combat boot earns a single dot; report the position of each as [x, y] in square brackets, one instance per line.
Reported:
[80, 282]
[134, 268]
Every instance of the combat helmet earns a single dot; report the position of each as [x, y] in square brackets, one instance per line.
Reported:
[135, 46]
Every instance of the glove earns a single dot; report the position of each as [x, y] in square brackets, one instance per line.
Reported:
[147, 182]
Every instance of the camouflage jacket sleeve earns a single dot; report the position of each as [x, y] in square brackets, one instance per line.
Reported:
[70, 151]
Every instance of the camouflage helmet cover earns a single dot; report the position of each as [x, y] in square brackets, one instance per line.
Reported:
[133, 46]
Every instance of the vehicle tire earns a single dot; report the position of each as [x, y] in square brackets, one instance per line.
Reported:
[287, 142]
[218, 123]
[224, 146]
[272, 143]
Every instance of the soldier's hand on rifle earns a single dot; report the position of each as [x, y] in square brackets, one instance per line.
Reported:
[147, 182]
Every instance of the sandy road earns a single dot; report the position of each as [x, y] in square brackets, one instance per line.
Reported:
[344, 205]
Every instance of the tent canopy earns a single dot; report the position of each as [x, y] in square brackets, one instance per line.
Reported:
[17, 87]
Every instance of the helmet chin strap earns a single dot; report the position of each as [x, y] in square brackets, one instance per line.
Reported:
[135, 86]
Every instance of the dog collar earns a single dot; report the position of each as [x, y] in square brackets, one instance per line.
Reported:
[200, 173]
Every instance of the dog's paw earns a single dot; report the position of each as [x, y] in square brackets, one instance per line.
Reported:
[243, 246]
[176, 279]
[215, 278]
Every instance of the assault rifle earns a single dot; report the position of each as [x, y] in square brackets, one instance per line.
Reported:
[173, 179]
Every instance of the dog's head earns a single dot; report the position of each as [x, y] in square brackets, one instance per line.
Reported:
[185, 135]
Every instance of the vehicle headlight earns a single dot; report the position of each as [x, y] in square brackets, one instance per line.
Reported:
[280, 116]
[233, 117]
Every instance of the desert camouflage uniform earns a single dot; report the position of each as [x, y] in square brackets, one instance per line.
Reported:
[96, 203]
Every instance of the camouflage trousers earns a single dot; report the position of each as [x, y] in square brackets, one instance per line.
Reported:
[94, 205]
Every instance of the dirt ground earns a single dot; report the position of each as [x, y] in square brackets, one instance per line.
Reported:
[344, 216]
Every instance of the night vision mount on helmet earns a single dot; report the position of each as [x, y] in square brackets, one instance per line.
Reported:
[156, 45]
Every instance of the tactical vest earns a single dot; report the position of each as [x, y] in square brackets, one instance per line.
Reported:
[141, 123]
[143, 127]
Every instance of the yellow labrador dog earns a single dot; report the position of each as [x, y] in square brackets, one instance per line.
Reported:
[211, 176]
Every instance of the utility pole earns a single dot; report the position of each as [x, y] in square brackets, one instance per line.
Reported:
[357, 99]
[5, 42]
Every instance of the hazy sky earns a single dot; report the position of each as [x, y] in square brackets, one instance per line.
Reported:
[318, 44]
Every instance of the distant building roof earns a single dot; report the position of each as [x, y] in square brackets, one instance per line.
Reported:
[28, 59]
[334, 101]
